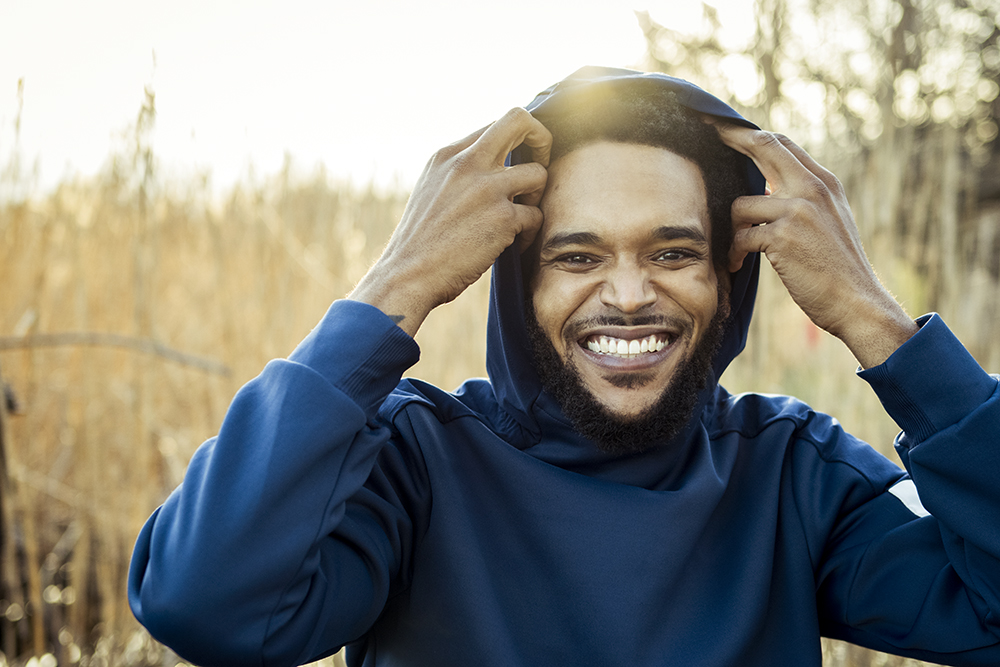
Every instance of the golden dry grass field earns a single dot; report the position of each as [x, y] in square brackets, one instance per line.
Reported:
[131, 311]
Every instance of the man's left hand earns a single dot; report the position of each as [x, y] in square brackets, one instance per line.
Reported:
[805, 228]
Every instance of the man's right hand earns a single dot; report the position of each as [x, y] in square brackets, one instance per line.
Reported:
[461, 215]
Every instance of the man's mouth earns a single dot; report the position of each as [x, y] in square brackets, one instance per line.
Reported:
[625, 348]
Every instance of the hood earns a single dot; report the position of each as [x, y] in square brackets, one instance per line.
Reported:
[515, 382]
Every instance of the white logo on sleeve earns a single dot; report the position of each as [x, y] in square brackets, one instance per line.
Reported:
[906, 491]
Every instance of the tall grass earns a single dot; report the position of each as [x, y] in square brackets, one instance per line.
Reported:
[128, 319]
[130, 312]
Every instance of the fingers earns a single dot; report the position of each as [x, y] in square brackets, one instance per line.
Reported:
[529, 218]
[462, 144]
[539, 140]
[753, 239]
[758, 221]
[759, 210]
[516, 127]
[451, 150]
[526, 182]
[748, 240]
[807, 161]
[777, 157]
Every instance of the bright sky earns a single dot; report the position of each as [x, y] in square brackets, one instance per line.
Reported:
[368, 88]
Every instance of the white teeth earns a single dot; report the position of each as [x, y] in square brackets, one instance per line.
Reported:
[626, 348]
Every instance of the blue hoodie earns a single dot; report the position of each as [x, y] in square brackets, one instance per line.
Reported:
[340, 505]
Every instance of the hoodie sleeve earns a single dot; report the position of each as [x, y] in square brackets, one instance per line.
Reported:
[915, 570]
[272, 552]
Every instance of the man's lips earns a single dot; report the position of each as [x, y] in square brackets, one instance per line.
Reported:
[624, 348]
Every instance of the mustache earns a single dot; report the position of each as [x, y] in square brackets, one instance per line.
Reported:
[575, 329]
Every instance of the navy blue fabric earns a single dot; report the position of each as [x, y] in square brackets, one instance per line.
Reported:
[341, 505]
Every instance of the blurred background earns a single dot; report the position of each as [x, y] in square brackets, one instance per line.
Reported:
[185, 187]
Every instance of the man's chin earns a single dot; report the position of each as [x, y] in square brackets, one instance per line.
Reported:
[627, 431]
[630, 381]
[626, 397]
[621, 429]
[626, 415]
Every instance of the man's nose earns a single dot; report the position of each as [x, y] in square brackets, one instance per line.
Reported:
[628, 288]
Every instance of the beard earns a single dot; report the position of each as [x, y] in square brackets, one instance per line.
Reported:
[612, 432]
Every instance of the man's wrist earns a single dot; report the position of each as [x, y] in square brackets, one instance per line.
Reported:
[398, 299]
[873, 335]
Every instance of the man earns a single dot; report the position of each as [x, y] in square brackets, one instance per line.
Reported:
[601, 500]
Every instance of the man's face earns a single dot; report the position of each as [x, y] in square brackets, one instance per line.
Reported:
[625, 288]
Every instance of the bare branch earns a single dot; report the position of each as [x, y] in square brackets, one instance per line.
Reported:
[99, 339]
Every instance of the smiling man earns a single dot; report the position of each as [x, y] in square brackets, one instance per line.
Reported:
[628, 300]
[601, 499]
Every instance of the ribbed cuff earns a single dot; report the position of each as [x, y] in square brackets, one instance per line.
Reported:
[931, 382]
[359, 350]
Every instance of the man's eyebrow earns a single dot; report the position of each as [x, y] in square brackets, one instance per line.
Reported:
[662, 233]
[674, 233]
[571, 238]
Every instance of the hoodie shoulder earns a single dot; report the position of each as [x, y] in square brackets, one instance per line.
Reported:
[784, 422]
[750, 414]
[474, 398]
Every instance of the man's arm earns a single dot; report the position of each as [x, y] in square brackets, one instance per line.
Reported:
[806, 230]
[920, 575]
[293, 524]
[894, 576]
[262, 556]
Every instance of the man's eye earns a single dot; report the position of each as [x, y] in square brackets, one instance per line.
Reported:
[576, 260]
[674, 255]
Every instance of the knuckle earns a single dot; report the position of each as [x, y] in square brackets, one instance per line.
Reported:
[800, 209]
[742, 204]
[519, 115]
[804, 212]
[462, 161]
[442, 155]
[816, 189]
[782, 139]
[480, 189]
[748, 207]
[526, 177]
[763, 139]
[835, 184]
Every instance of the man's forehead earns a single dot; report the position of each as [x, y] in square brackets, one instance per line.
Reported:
[604, 187]
[617, 164]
